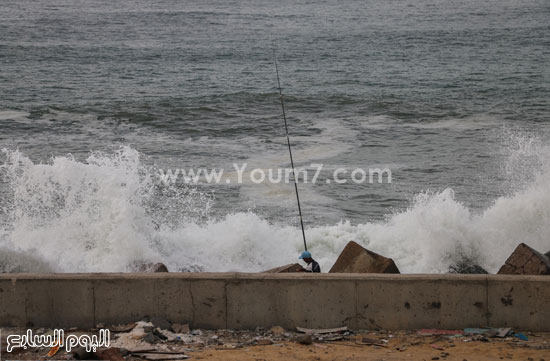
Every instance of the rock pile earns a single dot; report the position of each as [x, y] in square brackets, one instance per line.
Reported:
[289, 268]
[356, 259]
[526, 261]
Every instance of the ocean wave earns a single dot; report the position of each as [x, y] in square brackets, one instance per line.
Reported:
[107, 213]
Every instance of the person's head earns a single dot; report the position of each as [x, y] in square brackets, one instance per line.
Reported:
[306, 256]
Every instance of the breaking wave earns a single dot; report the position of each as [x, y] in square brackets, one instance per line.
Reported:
[108, 213]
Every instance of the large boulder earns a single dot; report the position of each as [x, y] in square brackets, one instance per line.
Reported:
[356, 259]
[289, 268]
[526, 261]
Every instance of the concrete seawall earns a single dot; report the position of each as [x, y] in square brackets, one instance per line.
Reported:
[245, 300]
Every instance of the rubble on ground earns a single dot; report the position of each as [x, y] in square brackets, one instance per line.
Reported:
[356, 259]
[158, 339]
[318, 331]
[526, 261]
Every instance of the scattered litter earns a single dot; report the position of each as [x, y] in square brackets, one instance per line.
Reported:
[168, 335]
[146, 341]
[122, 328]
[141, 349]
[503, 332]
[475, 331]
[314, 331]
[433, 332]
[137, 337]
[160, 333]
[112, 354]
[370, 342]
[488, 332]
[333, 338]
[158, 356]
[521, 336]
[53, 350]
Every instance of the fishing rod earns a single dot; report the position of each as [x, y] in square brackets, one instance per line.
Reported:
[290, 149]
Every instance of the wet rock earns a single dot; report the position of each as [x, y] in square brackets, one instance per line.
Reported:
[304, 339]
[159, 267]
[150, 267]
[464, 267]
[180, 328]
[356, 259]
[289, 268]
[526, 261]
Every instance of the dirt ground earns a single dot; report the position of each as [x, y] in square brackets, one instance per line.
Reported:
[404, 347]
[231, 345]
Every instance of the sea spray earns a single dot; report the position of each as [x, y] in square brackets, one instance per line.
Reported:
[108, 213]
[80, 216]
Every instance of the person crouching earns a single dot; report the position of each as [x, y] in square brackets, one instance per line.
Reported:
[312, 265]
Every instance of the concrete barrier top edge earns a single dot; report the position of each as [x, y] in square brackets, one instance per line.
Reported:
[270, 276]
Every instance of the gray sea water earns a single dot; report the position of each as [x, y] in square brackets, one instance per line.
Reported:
[96, 97]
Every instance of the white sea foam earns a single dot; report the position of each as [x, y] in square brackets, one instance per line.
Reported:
[334, 139]
[478, 121]
[103, 214]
